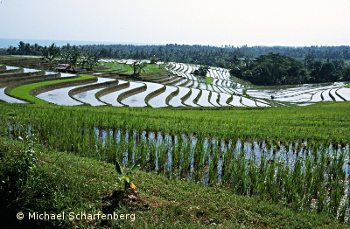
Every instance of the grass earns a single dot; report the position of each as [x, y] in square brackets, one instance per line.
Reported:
[324, 122]
[24, 91]
[209, 80]
[153, 68]
[63, 182]
[92, 133]
[128, 69]
[114, 67]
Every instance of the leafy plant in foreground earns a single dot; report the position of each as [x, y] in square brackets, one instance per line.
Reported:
[124, 176]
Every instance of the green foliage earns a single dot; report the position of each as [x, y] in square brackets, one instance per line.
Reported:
[65, 182]
[50, 53]
[70, 56]
[201, 71]
[138, 66]
[125, 176]
[74, 129]
[209, 80]
[274, 69]
[15, 169]
[90, 59]
[153, 60]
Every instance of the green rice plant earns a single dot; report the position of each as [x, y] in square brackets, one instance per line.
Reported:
[336, 180]
[121, 146]
[297, 178]
[162, 152]
[309, 174]
[141, 152]
[342, 211]
[112, 149]
[99, 149]
[206, 164]
[176, 156]
[282, 182]
[199, 153]
[260, 188]
[130, 149]
[241, 174]
[213, 162]
[168, 156]
[316, 176]
[185, 158]
[227, 166]
[271, 186]
[152, 156]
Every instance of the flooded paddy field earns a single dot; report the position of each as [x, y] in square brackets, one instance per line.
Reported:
[222, 86]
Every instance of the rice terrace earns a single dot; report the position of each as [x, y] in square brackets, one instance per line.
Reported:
[175, 136]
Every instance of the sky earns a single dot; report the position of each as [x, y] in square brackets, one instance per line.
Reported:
[205, 22]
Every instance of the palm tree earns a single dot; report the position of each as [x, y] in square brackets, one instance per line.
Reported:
[50, 53]
[138, 66]
[91, 60]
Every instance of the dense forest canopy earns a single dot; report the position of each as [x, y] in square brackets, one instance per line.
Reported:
[276, 69]
[262, 65]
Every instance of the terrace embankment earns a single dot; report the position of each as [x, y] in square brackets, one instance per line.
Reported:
[229, 100]
[154, 94]
[165, 79]
[27, 63]
[191, 84]
[25, 80]
[50, 87]
[195, 101]
[9, 71]
[188, 95]
[131, 92]
[173, 82]
[92, 87]
[186, 82]
[111, 89]
[21, 74]
[172, 95]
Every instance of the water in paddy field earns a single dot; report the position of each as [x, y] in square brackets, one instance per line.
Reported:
[7, 98]
[28, 70]
[137, 100]
[11, 68]
[193, 95]
[176, 100]
[213, 161]
[59, 96]
[301, 93]
[204, 99]
[252, 150]
[160, 100]
[89, 97]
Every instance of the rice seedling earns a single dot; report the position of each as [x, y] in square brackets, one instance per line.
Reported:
[298, 172]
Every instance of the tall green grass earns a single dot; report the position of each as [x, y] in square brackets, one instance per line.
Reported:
[302, 173]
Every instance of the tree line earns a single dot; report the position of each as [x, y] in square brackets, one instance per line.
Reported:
[261, 65]
[276, 69]
[73, 55]
[200, 54]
